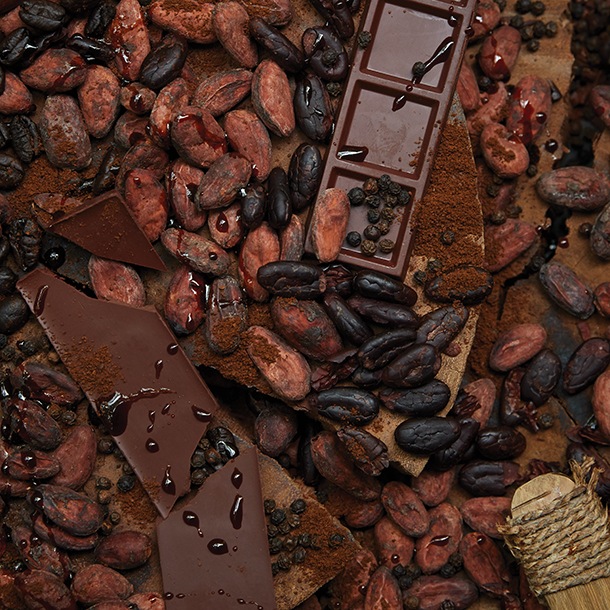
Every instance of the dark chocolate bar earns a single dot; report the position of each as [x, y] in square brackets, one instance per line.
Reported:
[106, 227]
[129, 364]
[393, 110]
[214, 551]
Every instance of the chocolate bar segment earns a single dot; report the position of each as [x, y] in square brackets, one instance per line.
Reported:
[129, 364]
[106, 227]
[214, 551]
[396, 100]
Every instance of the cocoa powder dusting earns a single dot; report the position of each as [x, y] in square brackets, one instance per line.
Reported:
[263, 349]
[500, 152]
[136, 503]
[450, 205]
[225, 332]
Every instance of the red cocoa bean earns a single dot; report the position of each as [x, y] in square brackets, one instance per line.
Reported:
[38, 554]
[484, 564]
[226, 227]
[170, 101]
[599, 239]
[146, 197]
[230, 21]
[147, 601]
[347, 586]
[600, 100]
[184, 300]
[143, 155]
[97, 583]
[274, 12]
[432, 591]
[60, 538]
[516, 346]
[493, 109]
[16, 98]
[499, 52]
[33, 424]
[272, 98]
[405, 509]
[485, 514]
[274, 429]
[467, 86]
[579, 188]
[221, 92]
[530, 108]
[601, 402]
[364, 514]
[441, 540]
[292, 240]
[183, 182]
[393, 545]
[128, 35]
[41, 382]
[566, 289]
[130, 129]
[114, 281]
[137, 98]
[226, 177]
[433, 487]
[329, 223]
[98, 98]
[42, 590]
[193, 21]
[27, 465]
[486, 19]
[124, 550]
[383, 592]
[508, 241]
[260, 247]
[55, 71]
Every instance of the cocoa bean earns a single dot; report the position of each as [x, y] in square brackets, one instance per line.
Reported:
[165, 62]
[226, 317]
[182, 186]
[513, 410]
[339, 279]
[305, 175]
[499, 52]
[137, 98]
[292, 279]
[124, 550]
[184, 300]
[253, 206]
[29, 465]
[349, 324]
[98, 98]
[567, 290]
[424, 401]
[449, 457]
[16, 98]
[600, 234]
[223, 181]
[433, 487]
[129, 37]
[221, 92]
[42, 589]
[393, 545]
[541, 377]
[147, 199]
[274, 429]
[500, 443]
[334, 464]
[312, 108]
[398, 316]
[480, 478]
[306, 327]
[405, 509]
[279, 204]
[432, 591]
[33, 424]
[487, 17]
[601, 295]
[480, 396]
[193, 22]
[516, 346]
[226, 227]
[129, 130]
[484, 564]
[504, 153]
[485, 514]
[170, 101]
[383, 592]
[441, 326]
[328, 224]
[114, 281]
[587, 362]
[97, 583]
[147, 601]
[600, 100]
[347, 405]
[292, 240]
[198, 138]
[601, 402]
[260, 247]
[286, 371]
[316, 41]
[441, 540]
[337, 14]
[143, 155]
[346, 587]
[415, 366]
[467, 86]
[272, 99]
[582, 189]
[38, 554]
[375, 285]
[475, 285]
[507, 242]
[55, 71]
[368, 452]
[230, 21]
[60, 538]
[529, 108]
[364, 514]
[281, 49]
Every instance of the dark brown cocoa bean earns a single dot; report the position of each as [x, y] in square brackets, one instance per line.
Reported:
[312, 108]
[286, 371]
[516, 346]
[363, 378]
[72, 511]
[42, 589]
[350, 325]
[40, 382]
[33, 424]
[387, 314]
[601, 296]
[587, 362]
[432, 591]
[223, 181]
[426, 435]
[347, 405]
[339, 279]
[481, 478]
[221, 92]
[393, 545]
[369, 453]
[25, 138]
[253, 206]
[164, 63]
[304, 175]
[279, 204]
[292, 240]
[292, 279]
[97, 583]
[424, 401]
[305, 325]
[76, 456]
[274, 429]
[124, 550]
[29, 465]
[14, 313]
[500, 443]
[484, 564]
[339, 367]
[375, 285]
[13, 488]
[499, 52]
[379, 350]
[197, 252]
[337, 13]
[90, 49]
[306, 466]
[58, 537]
[433, 487]
[383, 592]
[226, 315]
[405, 509]
[579, 188]
[281, 49]
[600, 235]
[333, 463]
[25, 237]
[567, 290]
[11, 171]
[316, 41]
[441, 540]
[328, 224]
[441, 326]
[184, 300]
[42, 15]
[447, 458]
[415, 366]
[38, 554]
[485, 514]
[507, 242]
[513, 410]
[541, 377]
[468, 284]
[226, 228]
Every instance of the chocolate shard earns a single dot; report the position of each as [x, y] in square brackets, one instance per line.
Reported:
[129, 364]
[214, 551]
[106, 227]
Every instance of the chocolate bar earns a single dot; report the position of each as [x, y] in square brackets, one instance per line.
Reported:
[128, 363]
[396, 100]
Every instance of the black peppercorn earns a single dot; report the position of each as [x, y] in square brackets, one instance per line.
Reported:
[275, 545]
[293, 520]
[373, 216]
[103, 483]
[299, 555]
[404, 197]
[198, 476]
[546, 420]
[298, 506]
[284, 562]
[272, 531]
[126, 483]
[335, 540]
[434, 265]
[413, 571]
[269, 506]
[278, 516]
[497, 217]
[106, 446]
[370, 186]
[388, 213]
[516, 22]
[373, 201]
[420, 277]
[284, 528]
[275, 569]
[533, 46]
[383, 182]
[532, 170]
[492, 190]
[448, 237]
[539, 29]
[371, 232]
[523, 6]
[411, 602]
[28, 348]
[304, 539]
[386, 246]
[290, 544]
[315, 542]
[456, 560]
[364, 39]
[391, 200]
[368, 247]
[418, 69]
[398, 570]
[513, 211]
[356, 196]
[447, 605]
[68, 418]
[334, 89]
[405, 582]
[395, 188]
[527, 32]
[329, 58]
[353, 239]
[585, 229]
[538, 8]
[501, 4]
[384, 226]
[551, 30]
[447, 571]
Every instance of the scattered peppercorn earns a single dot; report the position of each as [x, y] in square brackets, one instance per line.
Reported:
[269, 506]
[516, 22]
[364, 39]
[290, 544]
[127, 469]
[356, 196]
[539, 29]
[293, 520]
[353, 239]
[284, 528]
[278, 516]
[413, 571]
[299, 555]
[447, 605]
[551, 30]
[533, 46]
[329, 57]
[492, 190]
[434, 265]
[373, 216]
[456, 560]
[386, 246]
[68, 418]
[284, 562]
[335, 540]
[585, 229]
[103, 483]
[28, 348]
[497, 217]
[501, 4]
[115, 518]
[105, 446]
[532, 170]
[370, 186]
[198, 476]
[404, 197]
[315, 542]
[384, 226]
[198, 459]
[527, 32]
[394, 188]
[390, 199]
[304, 539]
[104, 497]
[388, 213]
[398, 570]
[272, 530]
[334, 89]
[513, 211]
[275, 570]
[448, 237]
[126, 483]
[546, 420]
[298, 506]
[418, 69]
[538, 8]
[523, 6]
[371, 232]
[373, 201]
[411, 603]
[368, 247]
[420, 277]
[275, 545]
[447, 571]
[405, 582]
[383, 182]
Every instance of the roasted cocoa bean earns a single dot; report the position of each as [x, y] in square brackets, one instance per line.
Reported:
[481, 478]
[350, 325]
[441, 326]
[42, 589]
[143, 155]
[129, 37]
[100, 18]
[567, 290]
[226, 228]
[137, 98]
[312, 108]
[485, 514]
[339, 367]
[14, 313]
[513, 410]
[33, 424]
[253, 206]
[328, 224]
[375, 285]
[164, 63]
[58, 537]
[380, 312]
[433, 487]
[305, 325]
[306, 466]
[500, 443]
[279, 204]
[424, 401]
[582, 189]
[347, 405]
[114, 281]
[405, 509]
[97, 583]
[601, 402]
[446, 459]
[426, 435]
[25, 138]
[467, 86]
[484, 564]
[281, 49]
[516, 346]
[260, 247]
[230, 22]
[432, 591]
[337, 13]
[507, 242]
[441, 540]
[286, 371]
[346, 586]
[339, 279]
[292, 279]
[223, 181]
[184, 300]
[292, 240]
[499, 52]
[368, 452]
[333, 463]
[30, 465]
[316, 41]
[364, 514]
[11, 171]
[383, 592]
[304, 175]
[415, 366]
[76, 456]
[600, 234]
[601, 296]
[197, 252]
[221, 92]
[8, 279]
[363, 378]
[147, 601]
[272, 99]
[530, 107]
[226, 315]
[124, 550]
[541, 377]
[393, 545]
[274, 429]
[14, 46]
[183, 182]
[72, 511]
[89, 49]
[443, 288]
[42, 15]
[587, 362]
[504, 154]
[170, 101]
[379, 350]
[24, 237]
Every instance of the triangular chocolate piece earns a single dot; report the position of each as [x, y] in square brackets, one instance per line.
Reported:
[129, 364]
[214, 551]
[106, 227]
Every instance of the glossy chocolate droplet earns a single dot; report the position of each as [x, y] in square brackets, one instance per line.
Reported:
[172, 349]
[200, 414]
[151, 417]
[191, 518]
[237, 478]
[217, 546]
[152, 446]
[40, 299]
[28, 459]
[237, 512]
[158, 368]
[440, 540]
[357, 154]
[168, 485]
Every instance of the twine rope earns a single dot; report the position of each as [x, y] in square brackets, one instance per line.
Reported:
[565, 543]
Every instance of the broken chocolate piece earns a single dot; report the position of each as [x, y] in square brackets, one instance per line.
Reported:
[214, 551]
[129, 364]
[106, 227]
